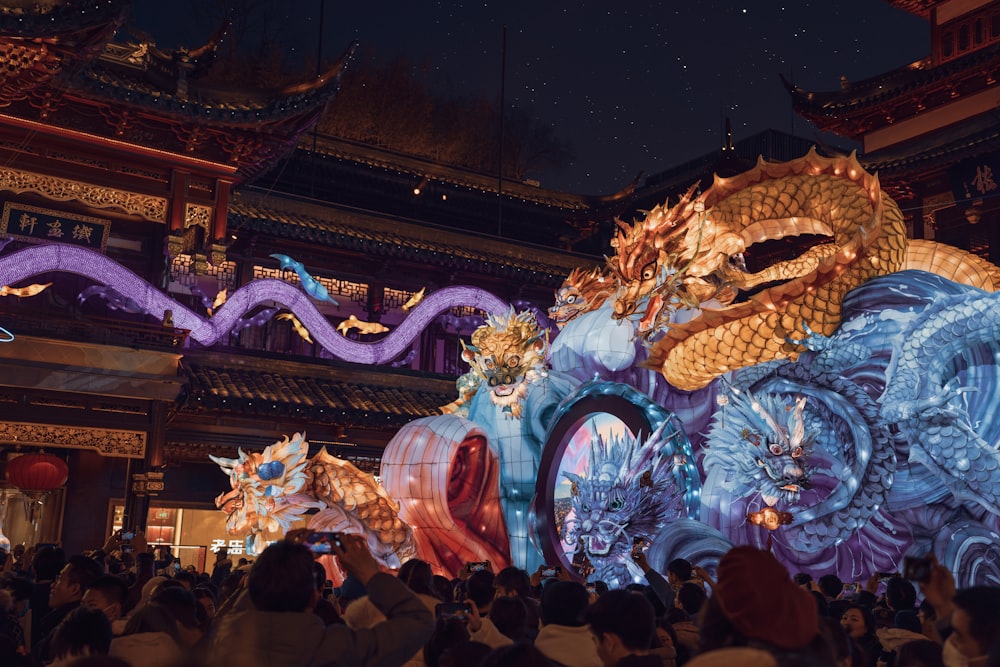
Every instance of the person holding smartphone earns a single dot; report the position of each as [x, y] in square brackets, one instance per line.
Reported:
[271, 621]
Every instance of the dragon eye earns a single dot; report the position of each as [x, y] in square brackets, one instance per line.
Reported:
[649, 271]
[616, 505]
[489, 364]
[775, 449]
[571, 299]
[513, 362]
[797, 452]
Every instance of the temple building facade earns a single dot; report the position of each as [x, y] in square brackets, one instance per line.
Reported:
[929, 128]
[193, 191]
[145, 202]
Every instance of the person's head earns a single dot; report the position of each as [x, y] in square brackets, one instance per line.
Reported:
[319, 575]
[145, 565]
[282, 578]
[900, 594]
[522, 654]
[181, 605]
[622, 623]
[512, 581]
[479, 588]
[678, 571]
[417, 574]
[510, 616]
[448, 632]
[148, 588]
[886, 618]
[462, 654]
[691, 598]
[106, 594]
[858, 621]
[976, 620]
[73, 580]
[665, 633]
[19, 588]
[443, 588]
[82, 632]
[207, 599]
[802, 578]
[925, 612]
[755, 601]
[563, 603]
[152, 618]
[830, 585]
[187, 579]
[48, 563]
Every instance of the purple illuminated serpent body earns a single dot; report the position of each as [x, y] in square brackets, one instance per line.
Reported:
[207, 331]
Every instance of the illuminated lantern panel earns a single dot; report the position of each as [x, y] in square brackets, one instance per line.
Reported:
[37, 472]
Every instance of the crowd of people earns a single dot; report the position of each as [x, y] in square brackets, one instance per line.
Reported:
[126, 606]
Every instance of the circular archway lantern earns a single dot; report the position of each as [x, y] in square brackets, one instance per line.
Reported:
[37, 471]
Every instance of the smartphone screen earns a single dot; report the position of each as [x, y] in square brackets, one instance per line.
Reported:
[453, 610]
[320, 542]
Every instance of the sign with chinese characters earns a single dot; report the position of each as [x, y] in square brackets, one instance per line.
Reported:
[31, 223]
[234, 547]
[976, 179]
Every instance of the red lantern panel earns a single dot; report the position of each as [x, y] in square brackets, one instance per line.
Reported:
[37, 472]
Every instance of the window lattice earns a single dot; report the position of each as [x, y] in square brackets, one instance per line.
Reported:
[395, 298]
[183, 270]
[356, 292]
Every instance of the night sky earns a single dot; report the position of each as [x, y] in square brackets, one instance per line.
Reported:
[633, 86]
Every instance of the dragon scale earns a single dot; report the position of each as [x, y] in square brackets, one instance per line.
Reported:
[920, 402]
[833, 197]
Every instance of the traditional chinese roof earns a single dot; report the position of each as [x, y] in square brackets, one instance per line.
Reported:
[933, 153]
[346, 228]
[864, 106]
[39, 41]
[736, 158]
[921, 8]
[343, 394]
[59, 66]
[374, 157]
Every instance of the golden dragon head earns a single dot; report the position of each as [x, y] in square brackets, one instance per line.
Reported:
[265, 486]
[508, 354]
[668, 261]
[581, 292]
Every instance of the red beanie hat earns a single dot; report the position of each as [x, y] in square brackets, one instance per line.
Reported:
[759, 598]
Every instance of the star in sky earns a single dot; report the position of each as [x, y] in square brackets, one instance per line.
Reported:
[633, 86]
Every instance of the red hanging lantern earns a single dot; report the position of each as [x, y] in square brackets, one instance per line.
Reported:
[37, 471]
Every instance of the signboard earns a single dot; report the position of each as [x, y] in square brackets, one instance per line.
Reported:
[39, 225]
[975, 179]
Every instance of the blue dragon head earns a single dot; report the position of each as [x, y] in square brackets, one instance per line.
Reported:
[762, 443]
[625, 497]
